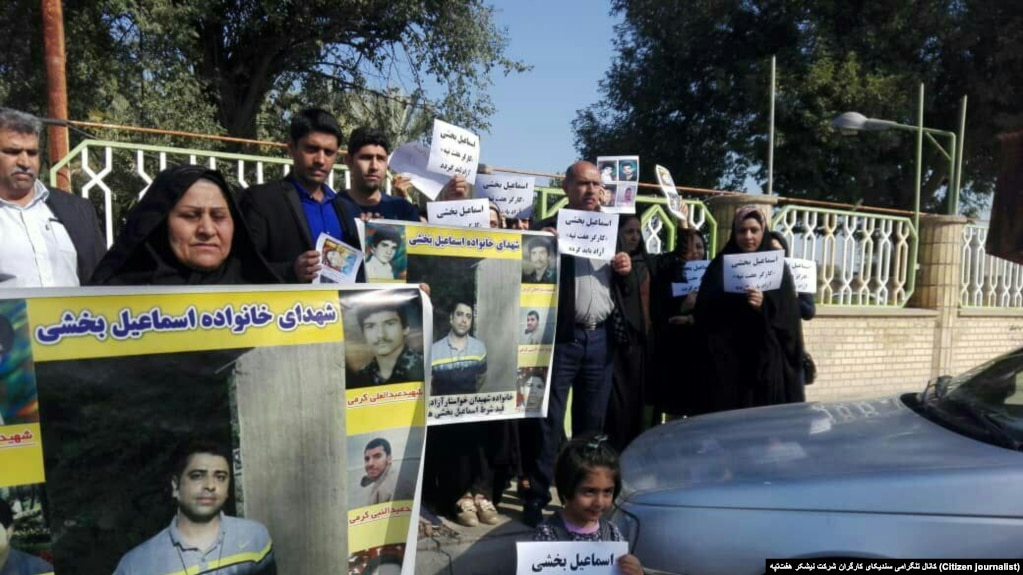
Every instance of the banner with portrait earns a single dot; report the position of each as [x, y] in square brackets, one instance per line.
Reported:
[495, 295]
[125, 410]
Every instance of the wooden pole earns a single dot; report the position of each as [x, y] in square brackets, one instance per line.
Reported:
[56, 82]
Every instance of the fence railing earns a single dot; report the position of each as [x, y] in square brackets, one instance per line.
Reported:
[119, 173]
[987, 281]
[862, 259]
[658, 225]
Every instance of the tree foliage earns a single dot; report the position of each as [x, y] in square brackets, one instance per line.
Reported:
[689, 88]
[238, 66]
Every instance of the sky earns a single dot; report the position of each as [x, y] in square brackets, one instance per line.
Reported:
[568, 43]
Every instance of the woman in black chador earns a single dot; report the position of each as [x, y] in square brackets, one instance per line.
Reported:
[754, 340]
[186, 230]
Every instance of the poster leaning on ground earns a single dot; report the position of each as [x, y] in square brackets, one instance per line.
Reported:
[494, 296]
[115, 404]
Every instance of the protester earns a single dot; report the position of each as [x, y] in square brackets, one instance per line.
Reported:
[678, 356]
[287, 216]
[625, 408]
[186, 230]
[588, 478]
[50, 238]
[807, 305]
[496, 219]
[754, 340]
[200, 537]
[584, 346]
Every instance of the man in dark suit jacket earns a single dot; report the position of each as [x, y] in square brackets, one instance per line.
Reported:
[50, 238]
[286, 217]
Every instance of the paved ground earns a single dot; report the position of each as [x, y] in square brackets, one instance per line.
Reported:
[481, 550]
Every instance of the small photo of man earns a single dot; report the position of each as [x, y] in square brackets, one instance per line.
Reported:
[607, 195]
[16, 561]
[381, 476]
[382, 326]
[538, 265]
[532, 383]
[537, 328]
[383, 465]
[608, 172]
[459, 360]
[628, 171]
[385, 258]
[200, 482]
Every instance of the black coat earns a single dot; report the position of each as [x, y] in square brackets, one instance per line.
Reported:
[79, 219]
[279, 228]
[142, 254]
[754, 357]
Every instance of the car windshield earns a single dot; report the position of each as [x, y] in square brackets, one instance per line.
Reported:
[985, 402]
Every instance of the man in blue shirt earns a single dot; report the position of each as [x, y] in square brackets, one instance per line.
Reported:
[286, 217]
[200, 538]
[13, 561]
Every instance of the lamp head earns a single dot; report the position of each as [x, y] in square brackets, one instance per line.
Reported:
[851, 122]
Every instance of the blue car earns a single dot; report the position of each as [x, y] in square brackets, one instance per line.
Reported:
[936, 474]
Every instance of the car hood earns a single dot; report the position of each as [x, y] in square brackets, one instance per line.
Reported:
[876, 455]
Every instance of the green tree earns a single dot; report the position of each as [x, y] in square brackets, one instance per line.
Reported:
[689, 88]
[225, 65]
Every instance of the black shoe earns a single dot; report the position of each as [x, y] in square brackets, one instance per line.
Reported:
[532, 512]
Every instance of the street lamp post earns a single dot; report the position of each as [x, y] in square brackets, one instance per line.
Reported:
[852, 122]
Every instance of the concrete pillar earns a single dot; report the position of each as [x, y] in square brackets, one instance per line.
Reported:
[937, 282]
[723, 208]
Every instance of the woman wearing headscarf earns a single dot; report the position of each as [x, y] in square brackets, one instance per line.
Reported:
[624, 419]
[186, 230]
[675, 382]
[754, 340]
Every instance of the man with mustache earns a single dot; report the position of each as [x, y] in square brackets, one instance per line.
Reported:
[385, 329]
[200, 537]
[50, 238]
[588, 295]
[287, 216]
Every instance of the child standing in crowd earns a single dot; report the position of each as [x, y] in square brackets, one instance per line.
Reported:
[588, 479]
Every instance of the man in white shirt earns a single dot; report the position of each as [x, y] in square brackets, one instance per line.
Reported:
[50, 238]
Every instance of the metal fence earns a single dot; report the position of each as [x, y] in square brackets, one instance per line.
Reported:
[862, 259]
[987, 281]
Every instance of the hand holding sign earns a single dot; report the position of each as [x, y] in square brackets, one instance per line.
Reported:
[583, 234]
[760, 270]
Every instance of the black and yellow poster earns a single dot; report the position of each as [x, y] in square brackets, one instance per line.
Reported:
[165, 430]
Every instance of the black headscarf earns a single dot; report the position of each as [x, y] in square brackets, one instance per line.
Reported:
[754, 355]
[142, 254]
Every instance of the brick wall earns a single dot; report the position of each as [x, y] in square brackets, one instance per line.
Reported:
[980, 335]
[872, 353]
[864, 353]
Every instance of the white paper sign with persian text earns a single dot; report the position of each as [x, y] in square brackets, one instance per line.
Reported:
[462, 213]
[804, 274]
[762, 270]
[592, 235]
[339, 262]
[411, 160]
[675, 205]
[454, 151]
[694, 271]
[579, 557]
[512, 194]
